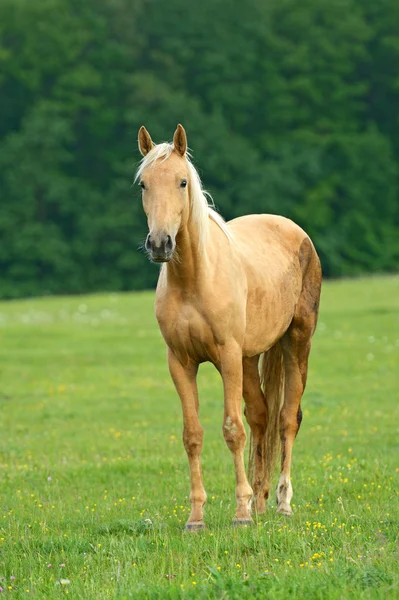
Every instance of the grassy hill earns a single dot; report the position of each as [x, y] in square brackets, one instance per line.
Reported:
[94, 475]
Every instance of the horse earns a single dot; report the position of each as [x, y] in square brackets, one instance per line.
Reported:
[243, 295]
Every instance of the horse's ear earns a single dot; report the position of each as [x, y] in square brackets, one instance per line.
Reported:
[145, 142]
[180, 140]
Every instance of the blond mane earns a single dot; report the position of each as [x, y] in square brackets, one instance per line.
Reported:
[201, 209]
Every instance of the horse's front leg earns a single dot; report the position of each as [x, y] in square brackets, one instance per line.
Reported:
[184, 378]
[233, 427]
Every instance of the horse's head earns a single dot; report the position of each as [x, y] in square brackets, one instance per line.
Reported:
[164, 177]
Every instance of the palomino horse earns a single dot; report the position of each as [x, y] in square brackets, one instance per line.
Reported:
[230, 293]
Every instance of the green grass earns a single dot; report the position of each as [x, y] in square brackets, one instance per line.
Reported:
[94, 476]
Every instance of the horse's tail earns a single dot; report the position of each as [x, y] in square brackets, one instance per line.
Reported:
[272, 375]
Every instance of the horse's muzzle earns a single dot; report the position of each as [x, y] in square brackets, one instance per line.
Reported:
[159, 250]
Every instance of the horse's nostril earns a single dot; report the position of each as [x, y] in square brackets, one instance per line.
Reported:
[148, 243]
[169, 244]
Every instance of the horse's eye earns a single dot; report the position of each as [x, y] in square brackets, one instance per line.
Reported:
[183, 183]
[142, 185]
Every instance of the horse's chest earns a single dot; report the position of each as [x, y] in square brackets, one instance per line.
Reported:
[187, 331]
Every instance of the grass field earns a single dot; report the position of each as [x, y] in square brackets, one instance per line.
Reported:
[94, 477]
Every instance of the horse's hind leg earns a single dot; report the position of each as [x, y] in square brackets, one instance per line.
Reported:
[295, 345]
[256, 414]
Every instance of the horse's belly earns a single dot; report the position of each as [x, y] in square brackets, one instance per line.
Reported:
[269, 313]
[263, 330]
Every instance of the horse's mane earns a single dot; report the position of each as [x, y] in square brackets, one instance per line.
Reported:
[201, 209]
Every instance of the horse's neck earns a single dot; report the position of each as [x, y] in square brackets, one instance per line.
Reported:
[188, 269]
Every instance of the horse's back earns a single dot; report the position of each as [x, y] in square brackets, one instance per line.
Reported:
[267, 229]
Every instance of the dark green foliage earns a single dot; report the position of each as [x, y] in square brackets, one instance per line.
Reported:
[290, 108]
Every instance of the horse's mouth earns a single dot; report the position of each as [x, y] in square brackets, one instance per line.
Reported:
[161, 259]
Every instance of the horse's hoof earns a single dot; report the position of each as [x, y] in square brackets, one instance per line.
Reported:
[194, 526]
[260, 507]
[285, 510]
[242, 522]
[260, 511]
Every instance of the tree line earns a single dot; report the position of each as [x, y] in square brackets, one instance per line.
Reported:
[290, 108]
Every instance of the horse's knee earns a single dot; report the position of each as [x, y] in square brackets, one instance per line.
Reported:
[234, 433]
[192, 440]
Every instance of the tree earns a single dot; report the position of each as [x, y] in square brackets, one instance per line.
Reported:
[290, 108]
